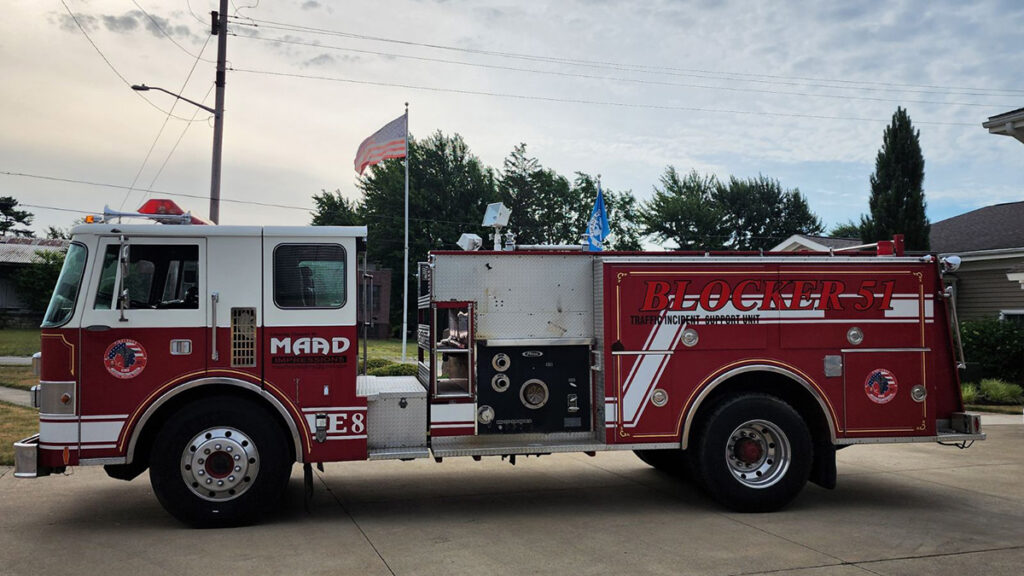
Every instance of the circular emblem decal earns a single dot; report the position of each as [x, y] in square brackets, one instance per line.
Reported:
[125, 359]
[881, 386]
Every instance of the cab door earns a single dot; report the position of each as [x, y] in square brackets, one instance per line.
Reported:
[309, 338]
[144, 328]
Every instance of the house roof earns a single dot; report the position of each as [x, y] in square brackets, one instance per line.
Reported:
[989, 228]
[798, 242]
[1006, 115]
[18, 250]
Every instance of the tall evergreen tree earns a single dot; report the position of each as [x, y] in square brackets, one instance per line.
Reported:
[897, 194]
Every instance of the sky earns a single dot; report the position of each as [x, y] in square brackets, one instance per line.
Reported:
[798, 91]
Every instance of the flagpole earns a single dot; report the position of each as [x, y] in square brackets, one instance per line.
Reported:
[405, 275]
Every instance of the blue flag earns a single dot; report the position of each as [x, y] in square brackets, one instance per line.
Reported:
[597, 226]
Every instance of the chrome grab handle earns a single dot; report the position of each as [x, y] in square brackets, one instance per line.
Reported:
[214, 298]
[948, 295]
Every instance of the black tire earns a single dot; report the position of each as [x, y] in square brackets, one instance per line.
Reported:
[669, 461]
[754, 453]
[220, 462]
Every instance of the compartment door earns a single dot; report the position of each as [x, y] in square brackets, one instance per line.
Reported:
[878, 387]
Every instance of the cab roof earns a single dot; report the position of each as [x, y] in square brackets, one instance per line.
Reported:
[193, 231]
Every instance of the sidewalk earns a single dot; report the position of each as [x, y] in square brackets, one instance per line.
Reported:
[15, 396]
[15, 360]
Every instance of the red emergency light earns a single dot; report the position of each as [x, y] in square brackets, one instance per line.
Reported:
[164, 206]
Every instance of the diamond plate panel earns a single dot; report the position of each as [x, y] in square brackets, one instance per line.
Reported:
[521, 295]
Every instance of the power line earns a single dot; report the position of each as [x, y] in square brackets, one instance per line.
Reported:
[150, 191]
[165, 193]
[164, 125]
[168, 36]
[176, 142]
[583, 101]
[615, 78]
[738, 76]
[109, 65]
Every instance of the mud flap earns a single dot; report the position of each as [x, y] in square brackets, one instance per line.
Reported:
[823, 472]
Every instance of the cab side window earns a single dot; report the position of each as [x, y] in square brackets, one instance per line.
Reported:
[158, 277]
[309, 276]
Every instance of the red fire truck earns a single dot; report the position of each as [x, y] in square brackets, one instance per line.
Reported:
[218, 356]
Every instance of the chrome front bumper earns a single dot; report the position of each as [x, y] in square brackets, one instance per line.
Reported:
[26, 458]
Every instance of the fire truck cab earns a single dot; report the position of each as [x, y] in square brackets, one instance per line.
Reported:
[217, 356]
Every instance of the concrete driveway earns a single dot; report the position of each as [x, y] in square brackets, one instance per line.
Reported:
[899, 509]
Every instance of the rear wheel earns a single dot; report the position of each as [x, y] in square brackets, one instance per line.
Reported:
[754, 453]
[220, 462]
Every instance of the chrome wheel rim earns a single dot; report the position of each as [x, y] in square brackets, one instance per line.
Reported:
[758, 454]
[220, 464]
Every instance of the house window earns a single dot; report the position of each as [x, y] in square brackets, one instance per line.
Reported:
[1015, 315]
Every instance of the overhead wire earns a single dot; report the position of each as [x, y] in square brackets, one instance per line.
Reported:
[164, 125]
[168, 35]
[611, 78]
[622, 66]
[539, 98]
[176, 142]
[311, 209]
[109, 64]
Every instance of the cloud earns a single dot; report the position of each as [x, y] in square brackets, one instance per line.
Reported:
[321, 60]
[310, 5]
[126, 23]
[67, 23]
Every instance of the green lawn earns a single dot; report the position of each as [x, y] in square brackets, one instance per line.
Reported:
[389, 350]
[19, 342]
[20, 377]
[16, 422]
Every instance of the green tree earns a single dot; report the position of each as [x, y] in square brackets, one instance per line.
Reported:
[621, 207]
[449, 189]
[519, 188]
[897, 195]
[10, 217]
[848, 229]
[333, 209]
[758, 213]
[683, 212]
[34, 283]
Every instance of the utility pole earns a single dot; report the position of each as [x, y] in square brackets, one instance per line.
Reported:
[220, 29]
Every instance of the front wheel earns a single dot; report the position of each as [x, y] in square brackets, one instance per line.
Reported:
[754, 453]
[219, 462]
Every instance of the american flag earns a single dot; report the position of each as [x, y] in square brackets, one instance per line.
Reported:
[388, 142]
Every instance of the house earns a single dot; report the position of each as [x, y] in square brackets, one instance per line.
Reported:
[990, 242]
[800, 242]
[16, 252]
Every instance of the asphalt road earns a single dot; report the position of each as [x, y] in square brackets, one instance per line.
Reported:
[899, 510]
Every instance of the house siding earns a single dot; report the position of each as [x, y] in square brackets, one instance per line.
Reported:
[983, 289]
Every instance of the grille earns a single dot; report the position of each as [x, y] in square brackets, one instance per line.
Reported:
[243, 337]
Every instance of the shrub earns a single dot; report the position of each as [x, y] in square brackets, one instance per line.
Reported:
[394, 369]
[995, 347]
[970, 393]
[1000, 392]
[372, 363]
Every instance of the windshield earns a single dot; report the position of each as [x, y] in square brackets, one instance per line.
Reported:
[62, 303]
